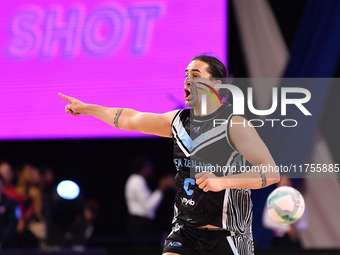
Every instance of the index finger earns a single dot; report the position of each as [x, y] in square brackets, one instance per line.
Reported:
[67, 98]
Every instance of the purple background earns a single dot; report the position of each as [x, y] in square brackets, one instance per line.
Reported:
[117, 54]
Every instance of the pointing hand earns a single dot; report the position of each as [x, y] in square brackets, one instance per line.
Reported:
[75, 106]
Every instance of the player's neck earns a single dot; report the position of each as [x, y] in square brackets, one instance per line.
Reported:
[211, 107]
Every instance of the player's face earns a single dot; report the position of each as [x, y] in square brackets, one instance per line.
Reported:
[196, 69]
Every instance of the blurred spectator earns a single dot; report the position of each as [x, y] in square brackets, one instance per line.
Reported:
[47, 180]
[26, 192]
[8, 219]
[7, 173]
[286, 235]
[47, 187]
[141, 201]
[90, 214]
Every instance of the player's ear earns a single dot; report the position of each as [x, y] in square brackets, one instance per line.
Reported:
[218, 82]
[214, 84]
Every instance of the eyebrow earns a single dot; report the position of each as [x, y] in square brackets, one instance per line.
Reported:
[194, 70]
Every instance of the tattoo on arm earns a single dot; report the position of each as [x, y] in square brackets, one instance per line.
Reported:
[264, 179]
[115, 120]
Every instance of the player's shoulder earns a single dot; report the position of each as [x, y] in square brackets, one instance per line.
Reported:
[239, 124]
[239, 118]
[180, 115]
[172, 115]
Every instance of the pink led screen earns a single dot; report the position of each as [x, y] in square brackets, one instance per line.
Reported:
[114, 53]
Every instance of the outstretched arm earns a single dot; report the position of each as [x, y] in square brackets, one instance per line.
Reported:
[250, 145]
[124, 118]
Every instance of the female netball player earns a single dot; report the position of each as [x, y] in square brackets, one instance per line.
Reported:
[213, 209]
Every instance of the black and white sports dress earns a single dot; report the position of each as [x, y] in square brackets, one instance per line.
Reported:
[203, 142]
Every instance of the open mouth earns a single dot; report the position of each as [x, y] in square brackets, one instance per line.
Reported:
[187, 94]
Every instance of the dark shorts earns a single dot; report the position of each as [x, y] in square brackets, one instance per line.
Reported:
[186, 240]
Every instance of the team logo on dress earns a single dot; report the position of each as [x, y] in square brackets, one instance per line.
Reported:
[186, 201]
[188, 186]
[175, 244]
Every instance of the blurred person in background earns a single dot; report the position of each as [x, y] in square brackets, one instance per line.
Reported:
[27, 194]
[36, 190]
[141, 201]
[286, 236]
[47, 186]
[8, 219]
[6, 172]
[47, 180]
[90, 214]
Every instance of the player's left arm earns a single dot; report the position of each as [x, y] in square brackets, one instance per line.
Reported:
[250, 145]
